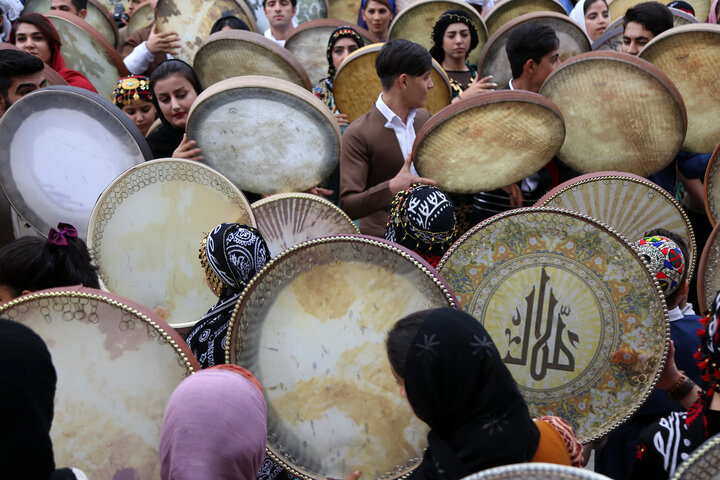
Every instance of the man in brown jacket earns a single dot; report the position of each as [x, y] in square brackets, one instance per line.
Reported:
[372, 169]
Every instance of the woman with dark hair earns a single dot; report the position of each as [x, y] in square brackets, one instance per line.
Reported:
[593, 16]
[454, 36]
[376, 16]
[174, 86]
[229, 22]
[30, 263]
[450, 371]
[35, 34]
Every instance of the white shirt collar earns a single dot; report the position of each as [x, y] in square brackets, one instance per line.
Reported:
[391, 116]
[675, 314]
[511, 85]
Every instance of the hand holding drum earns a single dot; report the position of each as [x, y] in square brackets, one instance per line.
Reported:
[163, 42]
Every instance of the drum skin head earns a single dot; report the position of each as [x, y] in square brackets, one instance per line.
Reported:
[621, 113]
[357, 86]
[141, 18]
[508, 10]
[579, 321]
[117, 364]
[702, 463]
[97, 16]
[236, 53]
[536, 471]
[629, 204]
[236, 123]
[289, 219]
[311, 327]
[471, 146]
[708, 282]
[416, 22]
[688, 56]
[308, 43]
[494, 60]
[345, 10]
[712, 187]
[192, 20]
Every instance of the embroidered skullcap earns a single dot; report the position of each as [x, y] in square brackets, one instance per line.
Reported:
[665, 261]
[131, 88]
[446, 19]
[337, 34]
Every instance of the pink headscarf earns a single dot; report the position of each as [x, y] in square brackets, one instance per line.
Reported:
[712, 18]
[215, 427]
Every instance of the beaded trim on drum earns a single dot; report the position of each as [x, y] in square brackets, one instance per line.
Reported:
[216, 284]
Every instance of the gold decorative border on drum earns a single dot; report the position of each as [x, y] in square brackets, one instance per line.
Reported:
[265, 134]
[621, 113]
[708, 282]
[339, 296]
[630, 204]
[357, 86]
[493, 59]
[601, 332]
[688, 56]
[703, 463]
[192, 20]
[416, 22]
[288, 219]
[536, 471]
[507, 10]
[237, 53]
[146, 228]
[117, 367]
[472, 146]
[712, 187]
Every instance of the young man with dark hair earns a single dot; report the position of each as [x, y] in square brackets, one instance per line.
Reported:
[375, 161]
[532, 50]
[20, 74]
[280, 15]
[76, 7]
[642, 23]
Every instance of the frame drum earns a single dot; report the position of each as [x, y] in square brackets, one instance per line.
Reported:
[507, 10]
[688, 55]
[142, 17]
[610, 40]
[308, 43]
[712, 187]
[265, 134]
[345, 10]
[617, 9]
[311, 327]
[146, 228]
[357, 86]
[236, 53]
[703, 463]
[307, 11]
[288, 219]
[97, 16]
[708, 281]
[416, 22]
[629, 204]
[580, 321]
[88, 52]
[52, 77]
[117, 364]
[471, 146]
[192, 20]
[63, 146]
[494, 60]
[621, 113]
[536, 471]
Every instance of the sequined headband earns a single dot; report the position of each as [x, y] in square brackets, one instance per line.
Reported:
[132, 88]
[216, 284]
[452, 16]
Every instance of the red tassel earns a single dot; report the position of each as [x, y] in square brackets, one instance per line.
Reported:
[640, 451]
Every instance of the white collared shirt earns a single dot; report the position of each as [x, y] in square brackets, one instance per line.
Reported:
[675, 314]
[531, 182]
[404, 132]
[269, 35]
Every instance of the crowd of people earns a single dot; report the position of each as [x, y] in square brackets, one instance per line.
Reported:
[215, 424]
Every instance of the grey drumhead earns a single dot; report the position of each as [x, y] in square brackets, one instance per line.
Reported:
[536, 471]
[703, 463]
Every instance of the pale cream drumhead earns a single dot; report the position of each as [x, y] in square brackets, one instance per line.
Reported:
[708, 282]
[702, 463]
[712, 187]
[416, 22]
[61, 147]
[345, 10]
[357, 86]
[507, 10]
[97, 16]
[471, 146]
[536, 471]
[630, 204]
[146, 228]
[688, 55]
[117, 364]
[235, 53]
[311, 326]
[52, 77]
[494, 60]
[288, 219]
[307, 11]
[621, 114]
[88, 52]
[265, 134]
[192, 20]
[574, 313]
[309, 42]
[142, 17]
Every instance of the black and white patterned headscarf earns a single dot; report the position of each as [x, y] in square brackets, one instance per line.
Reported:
[231, 254]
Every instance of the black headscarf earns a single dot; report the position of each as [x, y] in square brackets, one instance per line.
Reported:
[446, 19]
[165, 140]
[457, 383]
[26, 403]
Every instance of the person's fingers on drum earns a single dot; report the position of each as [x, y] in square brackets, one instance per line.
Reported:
[320, 192]
[342, 119]
[354, 475]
